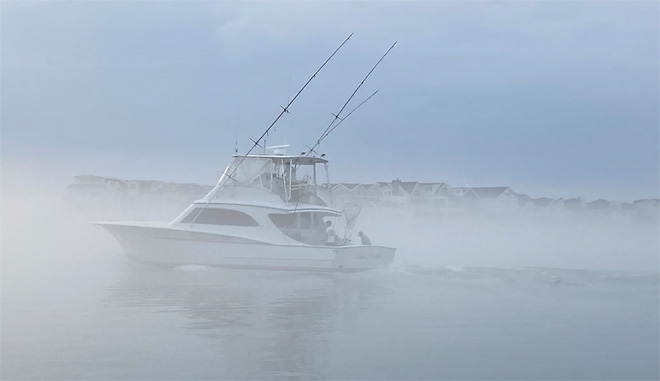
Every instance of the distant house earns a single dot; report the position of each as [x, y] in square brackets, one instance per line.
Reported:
[439, 193]
[370, 191]
[652, 204]
[146, 186]
[360, 191]
[88, 180]
[356, 192]
[423, 193]
[557, 204]
[377, 191]
[411, 188]
[627, 207]
[401, 192]
[575, 204]
[542, 202]
[647, 208]
[600, 205]
[403, 188]
[90, 189]
[462, 197]
[431, 190]
[442, 189]
[464, 192]
[498, 197]
[383, 188]
[524, 200]
[494, 192]
[344, 190]
[185, 193]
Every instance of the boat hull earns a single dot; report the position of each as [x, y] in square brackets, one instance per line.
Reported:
[164, 245]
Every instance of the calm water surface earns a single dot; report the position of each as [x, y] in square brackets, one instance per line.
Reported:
[75, 307]
[134, 321]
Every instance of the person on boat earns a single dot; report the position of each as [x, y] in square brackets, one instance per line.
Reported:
[330, 235]
[365, 240]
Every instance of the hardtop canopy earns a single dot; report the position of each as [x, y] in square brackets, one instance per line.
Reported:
[295, 160]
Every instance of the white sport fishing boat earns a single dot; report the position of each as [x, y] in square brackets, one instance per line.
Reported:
[269, 213]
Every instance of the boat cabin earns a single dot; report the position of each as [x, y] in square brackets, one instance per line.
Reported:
[295, 179]
[258, 193]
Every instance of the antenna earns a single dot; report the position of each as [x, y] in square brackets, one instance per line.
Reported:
[332, 125]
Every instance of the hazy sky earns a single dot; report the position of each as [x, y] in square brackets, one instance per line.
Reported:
[553, 98]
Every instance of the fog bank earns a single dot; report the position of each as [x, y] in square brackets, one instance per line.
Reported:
[36, 208]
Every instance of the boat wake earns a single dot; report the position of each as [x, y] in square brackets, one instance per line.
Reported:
[554, 276]
[191, 268]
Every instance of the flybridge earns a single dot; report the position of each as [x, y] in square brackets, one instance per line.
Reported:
[291, 178]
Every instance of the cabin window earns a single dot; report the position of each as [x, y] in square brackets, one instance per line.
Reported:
[305, 220]
[212, 216]
[303, 227]
[284, 220]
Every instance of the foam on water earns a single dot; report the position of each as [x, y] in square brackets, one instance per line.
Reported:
[192, 268]
[457, 269]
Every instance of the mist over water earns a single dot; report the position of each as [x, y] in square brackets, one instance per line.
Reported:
[575, 241]
[552, 99]
[473, 296]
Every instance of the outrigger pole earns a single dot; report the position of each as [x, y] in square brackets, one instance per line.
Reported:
[341, 121]
[285, 110]
[332, 125]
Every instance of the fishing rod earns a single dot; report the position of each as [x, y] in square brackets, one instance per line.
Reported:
[337, 115]
[340, 122]
[285, 110]
[347, 115]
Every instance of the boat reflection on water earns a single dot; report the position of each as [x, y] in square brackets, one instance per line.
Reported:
[259, 322]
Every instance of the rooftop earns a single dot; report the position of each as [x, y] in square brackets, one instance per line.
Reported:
[489, 192]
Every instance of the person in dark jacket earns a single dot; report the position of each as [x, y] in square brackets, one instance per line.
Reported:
[364, 238]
